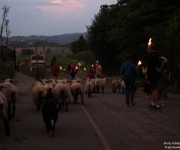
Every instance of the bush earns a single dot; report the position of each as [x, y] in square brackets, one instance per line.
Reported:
[7, 70]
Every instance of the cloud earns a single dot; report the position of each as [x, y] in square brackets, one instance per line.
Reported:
[63, 8]
[68, 3]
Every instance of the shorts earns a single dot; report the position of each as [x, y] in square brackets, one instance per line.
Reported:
[154, 84]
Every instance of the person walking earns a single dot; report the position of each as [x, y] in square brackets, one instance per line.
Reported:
[129, 73]
[153, 76]
[162, 87]
[98, 70]
[55, 70]
[146, 89]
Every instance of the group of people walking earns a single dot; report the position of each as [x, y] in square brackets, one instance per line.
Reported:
[155, 82]
[96, 72]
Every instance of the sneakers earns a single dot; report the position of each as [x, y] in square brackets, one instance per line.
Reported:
[131, 102]
[158, 109]
[153, 107]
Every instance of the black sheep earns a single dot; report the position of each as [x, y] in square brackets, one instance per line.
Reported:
[50, 113]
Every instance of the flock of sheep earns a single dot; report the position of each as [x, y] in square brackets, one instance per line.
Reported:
[49, 95]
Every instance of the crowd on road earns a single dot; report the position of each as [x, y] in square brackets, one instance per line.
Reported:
[156, 78]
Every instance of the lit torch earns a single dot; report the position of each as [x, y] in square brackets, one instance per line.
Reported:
[149, 43]
[139, 62]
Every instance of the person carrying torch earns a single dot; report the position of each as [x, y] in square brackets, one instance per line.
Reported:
[153, 76]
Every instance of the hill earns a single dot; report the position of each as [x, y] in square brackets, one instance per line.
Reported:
[59, 39]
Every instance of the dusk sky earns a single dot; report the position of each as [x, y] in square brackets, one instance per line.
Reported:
[50, 17]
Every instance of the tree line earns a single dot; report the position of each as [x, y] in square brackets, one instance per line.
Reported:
[126, 27]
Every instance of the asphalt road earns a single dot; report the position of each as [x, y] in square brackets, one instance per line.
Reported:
[102, 123]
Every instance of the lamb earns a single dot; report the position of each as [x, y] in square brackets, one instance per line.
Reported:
[100, 84]
[89, 88]
[3, 112]
[11, 93]
[76, 90]
[115, 85]
[49, 112]
[38, 94]
[62, 94]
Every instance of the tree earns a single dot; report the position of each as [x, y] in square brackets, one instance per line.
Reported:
[79, 45]
[7, 31]
[4, 15]
[104, 50]
[127, 26]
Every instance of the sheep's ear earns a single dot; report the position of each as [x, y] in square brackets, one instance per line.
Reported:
[2, 81]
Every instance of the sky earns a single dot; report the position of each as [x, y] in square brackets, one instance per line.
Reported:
[50, 17]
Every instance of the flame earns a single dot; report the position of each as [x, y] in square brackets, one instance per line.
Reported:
[92, 65]
[139, 62]
[60, 68]
[84, 69]
[149, 43]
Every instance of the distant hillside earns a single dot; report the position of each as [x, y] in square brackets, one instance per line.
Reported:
[61, 39]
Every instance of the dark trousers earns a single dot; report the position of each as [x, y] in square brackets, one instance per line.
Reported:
[130, 90]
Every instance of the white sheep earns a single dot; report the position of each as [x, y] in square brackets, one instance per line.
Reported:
[38, 94]
[62, 94]
[77, 80]
[93, 83]
[115, 85]
[3, 112]
[76, 90]
[100, 84]
[11, 93]
[122, 85]
[10, 81]
[89, 88]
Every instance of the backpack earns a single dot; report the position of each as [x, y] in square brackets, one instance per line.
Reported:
[128, 75]
[162, 64]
